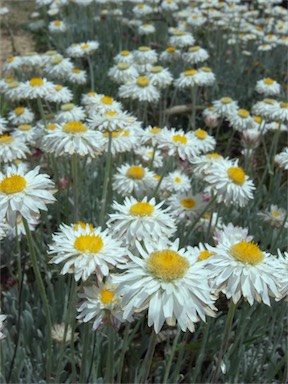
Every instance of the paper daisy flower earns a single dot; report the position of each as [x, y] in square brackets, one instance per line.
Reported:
[176, 182]
[203, 141]
[85, 250]
[12, 148]
[265, 108]
[58, 333]
[185, 207]
[2, 318]
[102, 104]
[150, 135]
[195, 55]
[140, 89]
[60, 94]
[160, 77]
[12, 63]
[241, 120]
[123, 140]
[133, 180]
[276, 217]
[142, 10]
[206, 77]
[230, 183]
[146, 29]
[145, 55]
[70, 112]
[20, 115]
[57, 26]
[268, 87]
[150, 155]
[141, 220]
[169, 282]
[170, 54]
[73, 137]
[77, 76]
[281, 159]
[109, 121]
[124, 57]
[243, 270]
[3, 125]
[202, 164]
[24, 193]
[27, 133]
[181, 39]
[36, 88]
[188, 79]
[58, 67]
[100, 305]
[230, 234]
[280, 112]
[225, 106]
[283, 265]
[178, 143]
[122, 73]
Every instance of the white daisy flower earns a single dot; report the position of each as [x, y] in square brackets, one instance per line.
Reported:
[3, 125]
[242, 269]
[229, 182]
[123, 140]
[185, 207]
[178, 143]
[160, 77]
[60, 94]
[27, 133]
[36, 88]
[280, 111]
[281, 159]
[58, 67]
[73, 137]
[196, 20]
[265, 47]
[268, 87]
[142, 10]
[85, 250]
[202, 164]
[241, 120]
[122, 73]
[20, 115]
[170, 54]
[203, 140]
[265, 108]
[12, 63]
[141, 220]
[32, 59]
[276, 217]
[101, 306]
[13, 92]
[169, 282]
[102, 103]
[140, 89]
[176, 182]
[146, 29]
[206, 77]
[109, 121]
[225, 106]
[201, 252]
[124, 57]
[145, 55]
[133, 180]
[195, 55]
[168, 5]
[77, 76]
[150, 135]
[181, 39]
[12, 148]
[70, 112]
[188, 79]
[57, 26]
[229, 235]
[283, 264]
[2, 318]
[58, 333]
[24, 193]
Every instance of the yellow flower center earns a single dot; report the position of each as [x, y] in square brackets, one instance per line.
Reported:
[190, 72]
[67, 107]
[275, 214]
[25, 127]
[106, 100]
[203, 255]
[269, 101]
[206, 69]
[200, 134]
[143, 49]
[247, 252]
[9, 80]
[76, 70]
[188, 203]
[243, 113]
[140, 6]
[268, 81]
[82, 224]
[142, 81]
[74, 127]
[237, 175]
[170, 50]
[258, 119]
[13, 184]
[91, 94]
[136, 172]
[156, 69]
[124, 53]
[6, 139]
[106, 296]
[56, 60]
[180, 33]
[51, 53]
[88, 243]
[58, 87]
[213, 155]
[226, 100]
[15, 84]
[19, 111]
[57, 23]
[177, 179]
[141, 209]
[123, 66]
[179, 139]
[196, 48]
[111, 113]
[167, 265]
[85, 46]
[36, 82]
[283, 105]
[155, 130]
[51, 127]
[10, 59]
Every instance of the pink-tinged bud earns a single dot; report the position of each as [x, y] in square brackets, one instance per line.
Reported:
[211, 121]
[63, 182]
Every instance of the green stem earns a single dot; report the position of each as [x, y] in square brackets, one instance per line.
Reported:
[84, 352]
[41, 288]
[74, 167]
[144, 373]
[224, 345]
[279, 233]
[193, 115]
[92, 81]
[109, 373]
[106, 182]
[164, 172]
[171, 356]
[41, 110]
[123, 352]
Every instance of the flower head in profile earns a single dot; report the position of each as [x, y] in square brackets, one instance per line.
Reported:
[268, 87]
[86, 250]
[24, 193]
[281, 159]
[2, 318]
[141, 89]
[58, 333]
[275, 216]
[35, 88]
[12, 148]
[141, 220]
[169, 282]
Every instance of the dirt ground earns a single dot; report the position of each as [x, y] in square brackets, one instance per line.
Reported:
[19, 36]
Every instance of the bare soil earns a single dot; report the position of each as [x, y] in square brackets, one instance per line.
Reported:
[15, 39]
